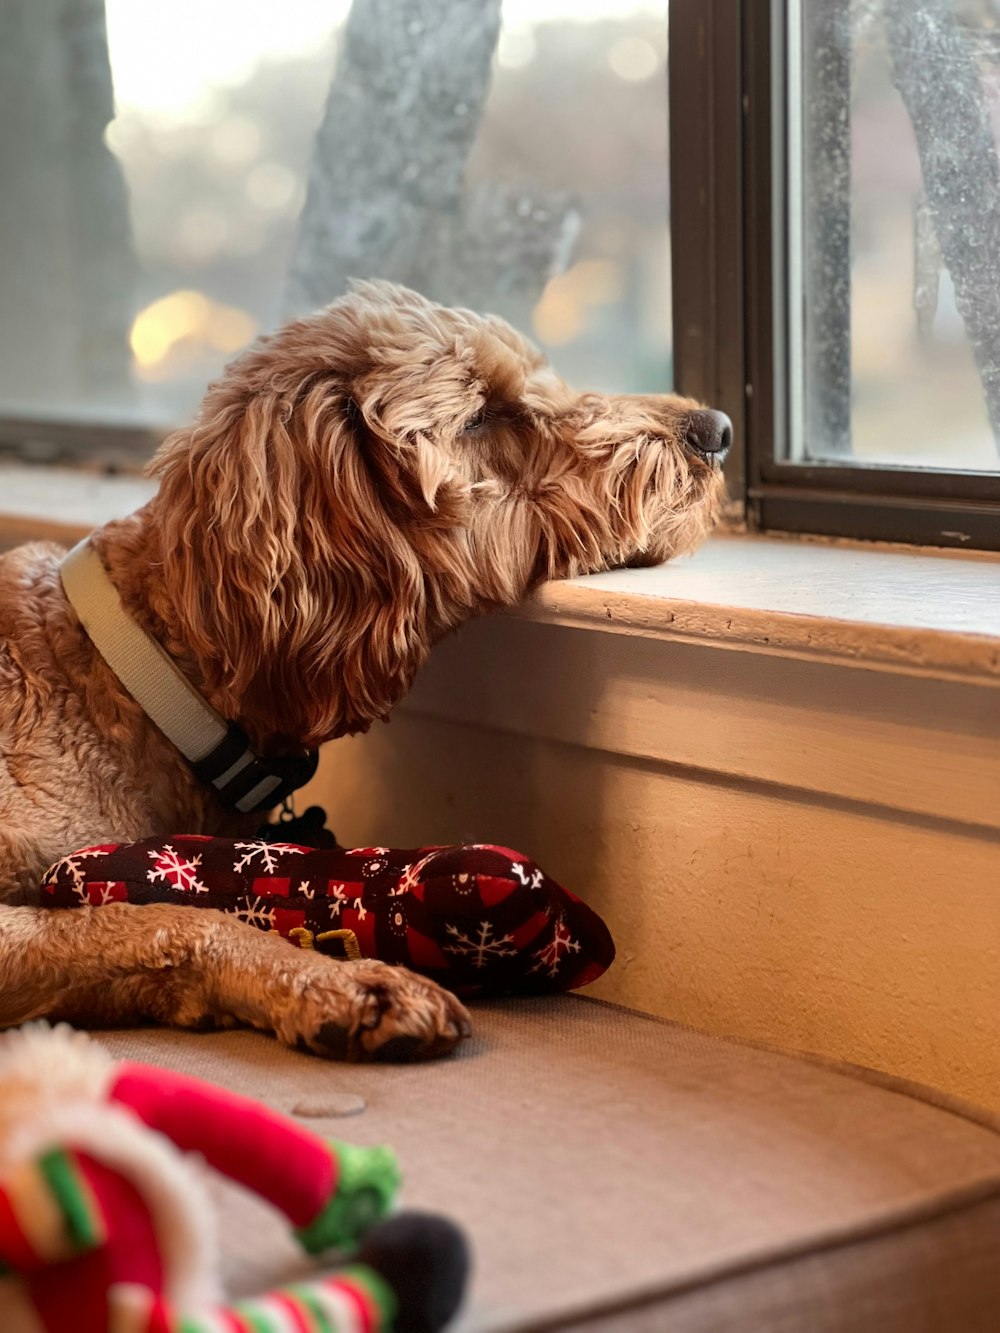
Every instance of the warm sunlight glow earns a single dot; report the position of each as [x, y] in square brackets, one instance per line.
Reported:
[561, 314]
[634, 59]
[169, 61]
[187, 316]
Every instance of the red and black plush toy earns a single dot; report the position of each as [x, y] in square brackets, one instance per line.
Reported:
[479, 919]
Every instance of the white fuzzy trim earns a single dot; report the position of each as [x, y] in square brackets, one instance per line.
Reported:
[53, 1085]
[40, 1064]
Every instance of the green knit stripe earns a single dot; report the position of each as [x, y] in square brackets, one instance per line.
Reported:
[350, 1301]
[84, 1220]
[257, 1321]
[283, 1311]
[353, 1300]
[367, 1181]
[310, 1305]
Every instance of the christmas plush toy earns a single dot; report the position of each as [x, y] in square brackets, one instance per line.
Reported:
[105, 1228]
[481, 920]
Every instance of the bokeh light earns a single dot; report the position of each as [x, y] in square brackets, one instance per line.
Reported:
[634, 59]
[190, 322]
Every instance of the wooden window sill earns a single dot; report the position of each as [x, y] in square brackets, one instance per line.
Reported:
[916, 612]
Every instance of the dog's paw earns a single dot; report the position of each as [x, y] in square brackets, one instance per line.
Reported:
[366, 1010]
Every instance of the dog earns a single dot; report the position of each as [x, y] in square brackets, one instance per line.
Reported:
[354, 487]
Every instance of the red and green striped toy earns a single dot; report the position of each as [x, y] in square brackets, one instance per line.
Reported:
[104, 1227]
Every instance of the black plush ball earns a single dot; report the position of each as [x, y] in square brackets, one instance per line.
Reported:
[425, 1260]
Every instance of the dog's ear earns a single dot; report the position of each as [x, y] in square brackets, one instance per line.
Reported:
[298, 590]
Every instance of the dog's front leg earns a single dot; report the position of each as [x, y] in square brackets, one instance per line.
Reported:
[122, 963]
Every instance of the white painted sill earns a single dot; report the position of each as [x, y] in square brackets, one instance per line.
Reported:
[917, 612]
[63, 504]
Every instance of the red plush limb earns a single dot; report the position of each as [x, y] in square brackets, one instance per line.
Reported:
[292, 1168]
[74, 1294]
[16, 1250]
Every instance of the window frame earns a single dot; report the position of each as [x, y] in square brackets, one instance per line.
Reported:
[729, 146]
[104, 446]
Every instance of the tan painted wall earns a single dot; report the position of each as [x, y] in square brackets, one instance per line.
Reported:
[783, 920]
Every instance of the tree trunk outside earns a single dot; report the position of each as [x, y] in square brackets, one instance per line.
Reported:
[386, 196]
[939, 82]
[66, 284]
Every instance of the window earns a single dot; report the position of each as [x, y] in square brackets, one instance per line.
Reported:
[893, 114]
[883, 255]
[181, 176]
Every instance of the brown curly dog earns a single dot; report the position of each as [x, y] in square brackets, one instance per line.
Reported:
[354, 487]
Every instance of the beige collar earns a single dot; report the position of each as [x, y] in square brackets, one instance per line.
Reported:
[217, 750]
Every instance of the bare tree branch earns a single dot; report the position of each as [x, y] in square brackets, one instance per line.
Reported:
[66, 284]
[939, 82]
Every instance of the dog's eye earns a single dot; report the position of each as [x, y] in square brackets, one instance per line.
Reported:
[476, 422]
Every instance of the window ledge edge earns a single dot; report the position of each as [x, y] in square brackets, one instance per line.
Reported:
[939, 652]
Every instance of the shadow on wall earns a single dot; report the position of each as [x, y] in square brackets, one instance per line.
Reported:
[465, 760]
[422, 779]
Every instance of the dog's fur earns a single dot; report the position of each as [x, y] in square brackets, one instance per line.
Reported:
[354, 487]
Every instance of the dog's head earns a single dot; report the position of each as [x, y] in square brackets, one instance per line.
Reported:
[370, 477]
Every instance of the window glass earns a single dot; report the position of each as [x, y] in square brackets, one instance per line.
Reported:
[159, 182]
[894, 239]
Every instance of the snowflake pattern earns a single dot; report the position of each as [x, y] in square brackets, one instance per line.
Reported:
[396, 900]
[102, 892]
[177, 871]
[534, 880]
[410, 877]
[338, 898]
[267, 851]
[408, 880]
[559, 947]
[482, 948]
[256, 912]
[70, 865]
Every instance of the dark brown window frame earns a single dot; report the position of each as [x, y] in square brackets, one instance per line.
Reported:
[728, 147]
[101, 446]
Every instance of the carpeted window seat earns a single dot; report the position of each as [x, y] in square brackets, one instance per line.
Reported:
[618, 1173]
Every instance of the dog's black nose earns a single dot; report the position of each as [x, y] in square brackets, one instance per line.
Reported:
[709, 433]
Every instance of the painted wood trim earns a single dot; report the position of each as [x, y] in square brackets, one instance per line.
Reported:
[921, 746]
[942, 654]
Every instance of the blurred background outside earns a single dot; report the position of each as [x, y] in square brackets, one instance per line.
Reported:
[215, 112]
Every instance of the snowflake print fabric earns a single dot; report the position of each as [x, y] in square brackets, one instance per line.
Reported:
[481, 920]
[180, 872]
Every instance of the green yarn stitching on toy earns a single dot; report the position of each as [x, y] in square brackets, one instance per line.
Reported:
[367, 1185]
